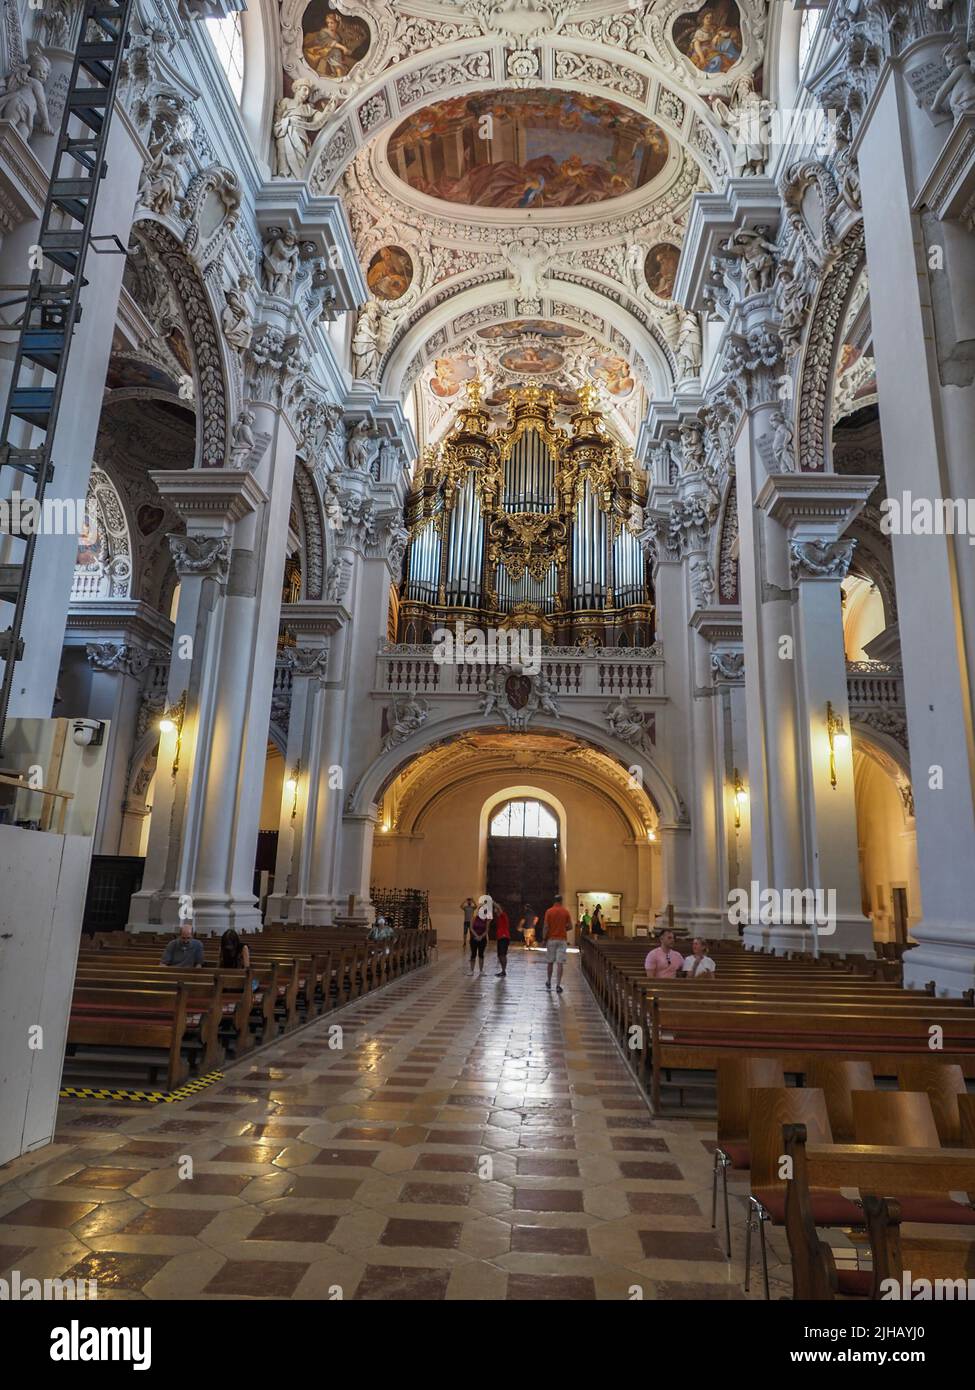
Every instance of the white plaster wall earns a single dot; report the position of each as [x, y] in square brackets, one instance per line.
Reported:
[888, 850]
[442, 856]
[42, 893]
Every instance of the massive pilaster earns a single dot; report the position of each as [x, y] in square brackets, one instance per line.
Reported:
[309, 777]
[730, 267]
[913, 149]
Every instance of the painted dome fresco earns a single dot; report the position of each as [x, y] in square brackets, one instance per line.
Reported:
[527, 150]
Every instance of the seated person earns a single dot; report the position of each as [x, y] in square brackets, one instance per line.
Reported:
[699, 965]
[663, 962]
[234, 955]
[380, 931]
[183, 949]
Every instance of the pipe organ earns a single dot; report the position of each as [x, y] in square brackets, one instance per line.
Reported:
[528, 525]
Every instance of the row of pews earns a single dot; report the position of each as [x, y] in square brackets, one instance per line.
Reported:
[873, 1140]
[134, 1019]
[675, 1032]
[890, 1170]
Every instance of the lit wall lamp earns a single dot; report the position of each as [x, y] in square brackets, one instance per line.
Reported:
[837, 735]
[652, 836]
[291, 786]
[171, 721]
[741, 796]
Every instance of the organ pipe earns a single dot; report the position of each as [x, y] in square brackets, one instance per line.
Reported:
[528, 519]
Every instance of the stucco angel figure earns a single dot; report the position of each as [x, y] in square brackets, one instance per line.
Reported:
[365, 341]
[361, 446]
[956, 95]
[24, 102]
[746, 120]
[493, 696]
[296, 119]
[783, 447]
[757, 258]
[281, 256]
[242, 442]
[236, 320]
[792, 300]
[627, 724]
[689, 346]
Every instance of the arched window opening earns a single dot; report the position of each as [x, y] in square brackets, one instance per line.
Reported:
[529, 820]
[228, 40]
[808, 29]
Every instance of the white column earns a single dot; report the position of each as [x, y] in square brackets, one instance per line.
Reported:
[312, 624]
[921, 321]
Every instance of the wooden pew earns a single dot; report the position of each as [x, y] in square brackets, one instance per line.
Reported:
[878, 1173]
[150, 1024]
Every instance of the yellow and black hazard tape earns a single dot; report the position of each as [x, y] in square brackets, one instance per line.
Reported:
[151, 1097]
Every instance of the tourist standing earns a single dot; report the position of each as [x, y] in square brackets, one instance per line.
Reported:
[479, 936]
[468, 907]
[502, 932]
[556, 936]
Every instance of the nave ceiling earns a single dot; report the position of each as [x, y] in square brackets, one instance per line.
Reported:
[504, 161]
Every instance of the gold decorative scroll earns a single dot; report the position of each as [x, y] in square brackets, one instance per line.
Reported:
[531, 541]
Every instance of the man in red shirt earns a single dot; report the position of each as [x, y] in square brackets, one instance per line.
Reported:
[556, 937]
[502, 927]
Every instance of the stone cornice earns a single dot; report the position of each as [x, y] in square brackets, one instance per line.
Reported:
[949, 190]
[312, 619]
[746, 203]
[814, 506]
[127, 619]
[718, 624]
[210, 496]
[319, 219]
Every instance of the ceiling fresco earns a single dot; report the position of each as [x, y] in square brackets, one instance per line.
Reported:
[539, 149]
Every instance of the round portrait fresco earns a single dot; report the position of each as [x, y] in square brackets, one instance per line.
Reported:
[660, 268]
[390, 273]
[710, 37]
[332, 42]
[527, 150]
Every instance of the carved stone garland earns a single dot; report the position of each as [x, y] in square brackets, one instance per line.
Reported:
[819, 357]
[204, 338]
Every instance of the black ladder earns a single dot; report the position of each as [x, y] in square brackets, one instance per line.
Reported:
[51, 311]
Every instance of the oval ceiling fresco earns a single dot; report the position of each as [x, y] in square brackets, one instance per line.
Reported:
[527, 150]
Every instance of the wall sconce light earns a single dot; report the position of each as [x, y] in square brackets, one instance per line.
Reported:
[171, 721]
[291, 786]
[652, 836]
[837, 735]
[741, 796]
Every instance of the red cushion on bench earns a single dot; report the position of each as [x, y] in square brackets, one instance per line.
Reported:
[936, 1211]
[738, 1152]
[828, 1208]
[854, 1283]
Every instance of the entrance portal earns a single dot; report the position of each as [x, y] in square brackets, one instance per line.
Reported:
[523, 857]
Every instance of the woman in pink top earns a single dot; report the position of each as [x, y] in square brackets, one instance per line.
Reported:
[663, 962]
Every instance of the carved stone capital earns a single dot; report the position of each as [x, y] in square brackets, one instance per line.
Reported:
[307, 661]
[820, 559]
[275, 365]
[121, 658]
[201, 557]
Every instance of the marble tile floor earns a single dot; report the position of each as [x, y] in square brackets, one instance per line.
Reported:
[449, 1138]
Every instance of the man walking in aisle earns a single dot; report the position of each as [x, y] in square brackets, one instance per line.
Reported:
[555, 934]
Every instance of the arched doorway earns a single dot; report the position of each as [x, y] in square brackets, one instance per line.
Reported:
[523, 855]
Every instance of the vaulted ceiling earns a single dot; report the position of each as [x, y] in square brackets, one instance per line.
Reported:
[518, 175]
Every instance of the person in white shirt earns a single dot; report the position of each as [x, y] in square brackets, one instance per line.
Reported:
[698, 965]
